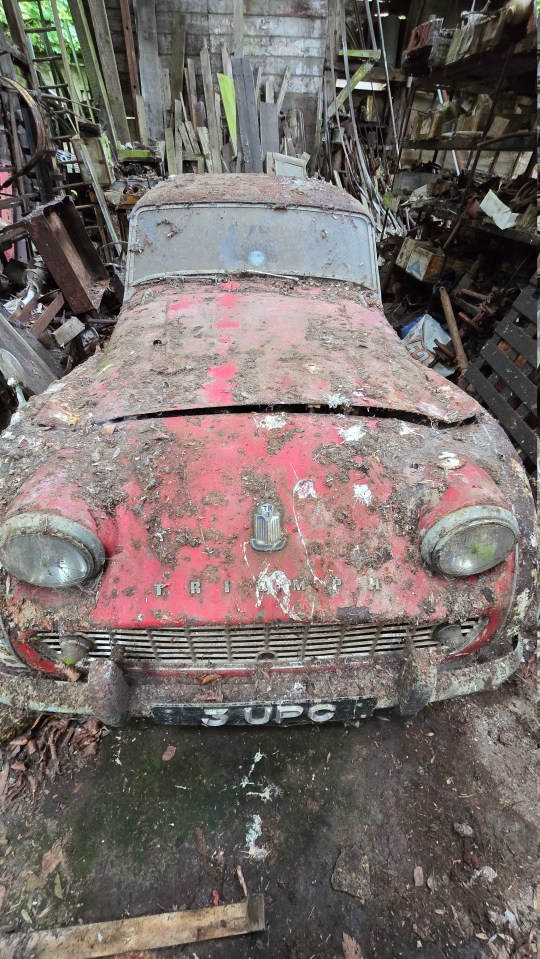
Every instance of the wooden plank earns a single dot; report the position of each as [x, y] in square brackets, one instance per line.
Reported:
[226, 61]
[100, 939]
[226, 86]
[518, 340]
[357, 77]
[526, 304]
[193, 136]
[202, 133]
[141, 119]
[283, 88]
[507, 417]
[166, 95]
[258, 78]
[129, 44]
[246, 110]
[178, 144]
[47, 316]
[278, 8]
[149, 67]
[178, 50]
[269, 90]
[170, 151]
[109, 70]
[211, 119]
[512, 375]
[269, 115]
[238, 27]
[191, 85]
[217, 105]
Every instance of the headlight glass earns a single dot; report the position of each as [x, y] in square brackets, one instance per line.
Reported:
[470, 540]
[49, 550]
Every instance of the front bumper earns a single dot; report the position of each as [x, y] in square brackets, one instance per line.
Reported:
[409, 686]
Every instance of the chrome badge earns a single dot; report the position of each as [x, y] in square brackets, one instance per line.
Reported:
[267, 532]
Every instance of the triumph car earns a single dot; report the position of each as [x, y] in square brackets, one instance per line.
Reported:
[255, 507]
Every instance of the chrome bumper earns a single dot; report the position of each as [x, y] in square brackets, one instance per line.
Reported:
[108, 696]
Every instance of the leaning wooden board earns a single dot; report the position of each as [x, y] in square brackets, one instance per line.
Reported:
[131, 935]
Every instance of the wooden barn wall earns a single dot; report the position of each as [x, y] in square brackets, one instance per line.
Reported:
[277, 34]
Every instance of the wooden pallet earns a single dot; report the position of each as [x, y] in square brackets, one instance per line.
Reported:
[505, 374]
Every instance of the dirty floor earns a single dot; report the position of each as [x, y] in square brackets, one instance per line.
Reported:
[416, 838]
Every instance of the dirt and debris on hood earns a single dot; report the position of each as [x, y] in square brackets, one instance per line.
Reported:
[248, 344]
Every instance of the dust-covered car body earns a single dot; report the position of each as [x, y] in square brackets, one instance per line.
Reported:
[254, 506]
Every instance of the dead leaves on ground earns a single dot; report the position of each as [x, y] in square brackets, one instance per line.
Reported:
[37, 755]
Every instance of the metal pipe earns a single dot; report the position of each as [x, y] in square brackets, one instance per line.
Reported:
[386, 72]
[461, 356]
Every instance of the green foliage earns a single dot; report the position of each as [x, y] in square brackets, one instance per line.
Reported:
[30, 10]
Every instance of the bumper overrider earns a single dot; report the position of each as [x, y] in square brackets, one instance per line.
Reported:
[277, 697]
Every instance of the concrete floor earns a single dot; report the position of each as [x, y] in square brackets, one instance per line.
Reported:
[329, 823]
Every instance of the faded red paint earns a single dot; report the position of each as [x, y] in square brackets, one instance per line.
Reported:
[205, 522]
[220, 389]
[319, 352]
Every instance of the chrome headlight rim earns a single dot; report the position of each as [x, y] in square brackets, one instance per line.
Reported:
[437, 536]
[62, 528]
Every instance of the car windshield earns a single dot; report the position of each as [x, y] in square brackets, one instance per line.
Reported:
[199, 239]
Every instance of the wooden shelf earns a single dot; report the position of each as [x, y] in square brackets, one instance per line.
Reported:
[516, 143]
[528, 237]
[481, 70]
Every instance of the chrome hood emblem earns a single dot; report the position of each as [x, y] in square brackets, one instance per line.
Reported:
[267, 533]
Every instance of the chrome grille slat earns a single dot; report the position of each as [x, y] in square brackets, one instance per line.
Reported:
[289, 643]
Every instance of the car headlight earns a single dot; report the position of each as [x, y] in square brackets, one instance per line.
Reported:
[48, 550]
[470, 540]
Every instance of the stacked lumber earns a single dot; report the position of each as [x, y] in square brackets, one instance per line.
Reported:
[230, 122]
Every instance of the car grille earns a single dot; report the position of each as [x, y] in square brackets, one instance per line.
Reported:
[245, 645]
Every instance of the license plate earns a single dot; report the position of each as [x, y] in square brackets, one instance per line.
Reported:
[264, 714]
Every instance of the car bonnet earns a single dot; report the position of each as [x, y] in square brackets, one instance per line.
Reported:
[246, 345]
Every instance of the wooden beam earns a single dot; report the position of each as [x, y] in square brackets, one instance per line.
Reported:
[149, 67]
[246, 110]
[167, 929]
[191, 84]
[109, 70]
[226, 86]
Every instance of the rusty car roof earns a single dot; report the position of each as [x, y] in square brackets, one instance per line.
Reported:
[282, 191]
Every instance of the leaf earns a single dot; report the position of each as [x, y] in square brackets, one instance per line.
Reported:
[351, 949]
[209, 678]
[169, 753]
[3, 892]
[52, 859]
[418, 876]
[57, 889]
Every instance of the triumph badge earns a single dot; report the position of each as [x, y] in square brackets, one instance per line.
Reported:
[267, 532]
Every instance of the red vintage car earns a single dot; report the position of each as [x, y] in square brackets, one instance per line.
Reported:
[254, 506]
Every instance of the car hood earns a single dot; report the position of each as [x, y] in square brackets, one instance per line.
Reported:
[249, 345]
[174, 502]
